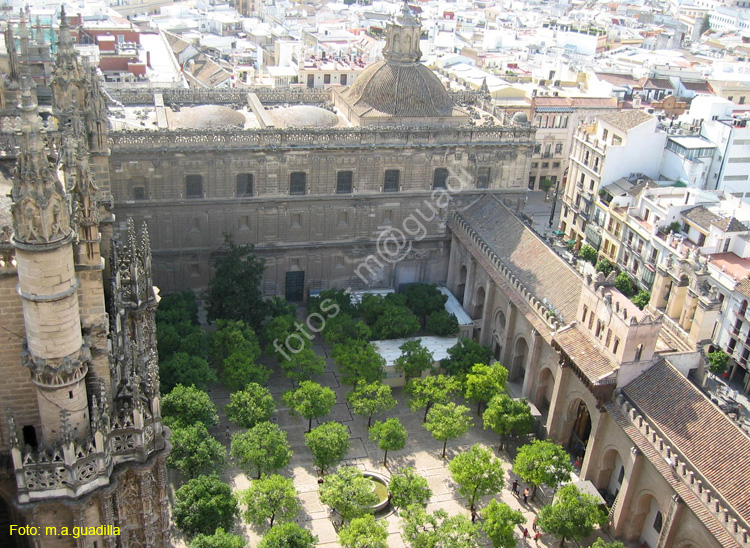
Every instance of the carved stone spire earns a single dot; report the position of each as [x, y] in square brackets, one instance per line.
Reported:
[23, 33]
[10, 45]
[402, 38]
[68, 75]
[40, 210]
[79, 182]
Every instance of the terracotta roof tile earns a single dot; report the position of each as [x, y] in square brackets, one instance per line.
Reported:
[701, 216]
[539, 268]
[626, 119]
[698, 430]
[666, 471]
[587, 357]
[743, 287]
[730, 224]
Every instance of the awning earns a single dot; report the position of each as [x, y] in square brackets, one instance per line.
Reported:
[559, 233]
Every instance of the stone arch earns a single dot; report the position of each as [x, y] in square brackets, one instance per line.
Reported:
[500, 321]
[461, 283]
[611, 472]
[518, 363]
[578, 421]
[478, 310]
[544, 387]
[644, 518]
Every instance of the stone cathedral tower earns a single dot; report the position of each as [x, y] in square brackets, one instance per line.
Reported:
[81, 439]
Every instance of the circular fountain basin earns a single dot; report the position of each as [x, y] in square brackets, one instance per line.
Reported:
[380, 488]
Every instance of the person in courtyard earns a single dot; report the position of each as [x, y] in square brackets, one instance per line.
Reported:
[526, 495]
[514, 487]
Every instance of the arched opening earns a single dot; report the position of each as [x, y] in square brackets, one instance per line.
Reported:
[500, 321]
[647, 521]
[478, 304]
[518, 367]
[461, 284]
[545, 386]
[743, 307]
[610, 475]
[579, 434]
[6, 520]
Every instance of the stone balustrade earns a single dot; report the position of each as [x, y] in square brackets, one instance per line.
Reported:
[70, 469]
[688, 474]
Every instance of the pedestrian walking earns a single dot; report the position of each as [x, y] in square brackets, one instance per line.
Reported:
[525, 533]
[533, 525]
[525, 495]
[226, 433]
[577, 464]
[537, 537]
[514, 487]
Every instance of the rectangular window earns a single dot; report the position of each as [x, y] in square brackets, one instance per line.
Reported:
[556, 164]
[545, 165]
[532, 182]
[194, 186]
[139, 193]
[439, 178]
[605, 134]
[244, 184]
[326, 78]
[483, 177]
[558, 148]
[298, 183]
[343, 79]
[296, 220]
[344, 182]
[392, 180]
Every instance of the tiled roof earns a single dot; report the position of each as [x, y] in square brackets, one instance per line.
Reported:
[743, 287]
[626, 119]
[730, 224]
[409, 90]
[177, 44]
[539, 268]
[587, 357]
[655, 83]
[617, 79]
[700, 86]
[698, 430]
[604, 102]
[701, 216]
[667, 473]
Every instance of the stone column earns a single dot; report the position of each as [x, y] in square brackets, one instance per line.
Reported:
[621, 516]
[555, 418]
[510, 329]
[531, 364]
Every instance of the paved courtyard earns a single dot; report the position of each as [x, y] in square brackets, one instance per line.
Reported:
[422, 452]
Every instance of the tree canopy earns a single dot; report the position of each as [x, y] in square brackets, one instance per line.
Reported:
[220, 539]
[232, 337]
[588, 254]
[310, 400]
[203, 505]
[343, 328]
[303, 365]
[390, 435]
[477, 473]
[187, 405]
[369, 398]
[447, 421]
[442, 323]
[348, 492]
[500, 522]
[395, 322]
[358, 361]
[464, 355]
[239, 370]
[182, 368]
[329, 444]
[430, 390]
[424, 299]
[195, 451]
[438, 530]
[414, 359]
[409, 490]
[288, 535]
[250, 406]
[263, 449]
[364, 532]
[717, 362]
[573, 515]
[234, 290]
[543, 462]
[508, 417]
[270, 499]
[484, 382]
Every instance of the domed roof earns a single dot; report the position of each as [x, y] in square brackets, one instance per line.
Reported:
[205, 117]
[408, 90]
[520, 118]
[303, 116]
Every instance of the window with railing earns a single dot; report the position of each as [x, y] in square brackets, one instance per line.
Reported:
[344, 182]
[194, 186]
[298, 183]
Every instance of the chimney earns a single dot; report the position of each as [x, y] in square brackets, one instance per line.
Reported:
[148, 59]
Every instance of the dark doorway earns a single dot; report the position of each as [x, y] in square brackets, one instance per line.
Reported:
[579, 437]
[29, 436]
[5, 522]
[498, 351]
[295, 286]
